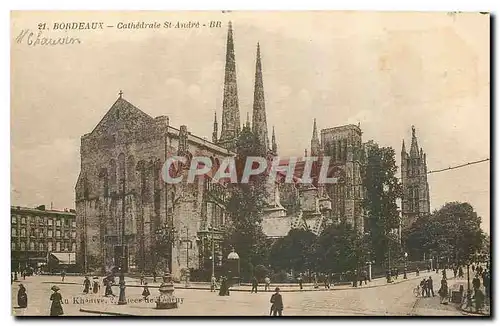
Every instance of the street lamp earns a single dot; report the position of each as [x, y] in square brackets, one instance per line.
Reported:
[406, 266]
[212, 229]
[165, 235]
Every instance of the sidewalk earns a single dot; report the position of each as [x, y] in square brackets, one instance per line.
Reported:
[486, 311]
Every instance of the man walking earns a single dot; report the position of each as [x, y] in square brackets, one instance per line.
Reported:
[430, 287]
[423, 286]
[299, 279]
[277, 303]
[255, 283]
[63, 275]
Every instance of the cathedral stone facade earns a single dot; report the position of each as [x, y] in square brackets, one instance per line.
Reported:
[121, 198]
[415, 199]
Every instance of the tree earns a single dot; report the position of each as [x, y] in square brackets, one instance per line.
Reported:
[340, 248]
[244, 207]
[382, 191]
[453, 232]
[294, 251]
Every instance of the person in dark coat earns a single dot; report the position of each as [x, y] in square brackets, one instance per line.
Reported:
[443, 291]
[444, 274]
[455, 272]
[277, 303]
[86, 285]
[109, 289]
[56, 308]
[460, 272]
[476, 283]
[486, 283]
[145, 292]
[95, 285]
[430, 287]
[299, 279]
[154, 276]
[63, 275]
[23, 273]
[22, 297]
[224, 286]
[255, 283]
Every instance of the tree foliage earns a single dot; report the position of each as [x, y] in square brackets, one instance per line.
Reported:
[451, 232]
[294, 251]
[382, 190]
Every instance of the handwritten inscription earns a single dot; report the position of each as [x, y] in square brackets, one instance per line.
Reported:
[38, 39]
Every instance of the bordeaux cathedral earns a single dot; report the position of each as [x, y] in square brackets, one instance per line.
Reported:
[124, 208]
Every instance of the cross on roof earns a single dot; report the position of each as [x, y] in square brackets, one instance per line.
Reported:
[120, 93]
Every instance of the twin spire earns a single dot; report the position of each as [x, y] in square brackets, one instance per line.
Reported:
[230, 107]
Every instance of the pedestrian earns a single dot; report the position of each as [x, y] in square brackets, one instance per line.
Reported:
[486, 283]
[213, 283]
[63, 275]
[23, 273]
[455, 271]
[56, 308]
[255, 283]
[396, 270]
[430, 287]
[154, 276]
[142, 278]
[299, 279]
[444, 274]
[86, 285]
[460, 272]
[443, 291]
[267, 283]
[22, 297]
[423, 286]
[277, 303]
[108, 291]
[224, 287]
[95, 285]
[365, 276]
[326, 280]
[473, 268]
[476, 283]
[145, 291]
[417, 272]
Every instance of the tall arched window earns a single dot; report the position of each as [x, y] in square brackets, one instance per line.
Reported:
[121, 168]
[112, 173]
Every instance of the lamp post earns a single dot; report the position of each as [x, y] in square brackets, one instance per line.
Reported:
[406, 266]
[121, 299]
[212, 229]
[165, 235]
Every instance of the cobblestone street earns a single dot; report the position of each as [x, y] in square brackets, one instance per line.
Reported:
[375, 299]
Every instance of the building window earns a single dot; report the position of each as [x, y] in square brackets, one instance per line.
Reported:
[73, 235]
[13, 219]
[66, 222]
[50, 233]
[12, 246]
[41, 247]
[23, 246]
[40, 234]
[23, 220]
[49, 246]
[23, 232]
[14, 232]
[58, 222]
[32, 232]
[66, 234]
[73, 224]
[73, 247]
[58, 246]
[50, 222]
[32, 245]
[66, 246]
[58, 233]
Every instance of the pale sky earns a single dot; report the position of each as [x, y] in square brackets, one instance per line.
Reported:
[387, 71]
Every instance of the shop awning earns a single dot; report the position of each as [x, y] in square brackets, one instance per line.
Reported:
[65, 258]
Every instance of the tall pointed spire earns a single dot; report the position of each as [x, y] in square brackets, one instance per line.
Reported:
[259, 123]
[403, 148]
[230, 108]
[215, 132]
[315, 144]
[414, 152]
[248, 121]
[274, 145]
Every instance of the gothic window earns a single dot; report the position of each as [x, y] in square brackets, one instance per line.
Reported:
[14, 232]
[13, 246]
[49, 246]
[121, 167]
[339, 150]
[23, 246]
[131, 168]
[112, 172]
[50, 234]
[73, 247]
[32, 246]
[58, 246]
[23, 232]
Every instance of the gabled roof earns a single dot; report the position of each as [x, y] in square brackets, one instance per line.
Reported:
[125, 113]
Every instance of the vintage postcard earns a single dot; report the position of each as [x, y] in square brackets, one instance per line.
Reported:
[250, 163]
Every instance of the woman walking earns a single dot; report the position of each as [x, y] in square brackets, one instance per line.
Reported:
[56, 306]
[443, 291]
[22, 297]
[145, 292]
[86, 285]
